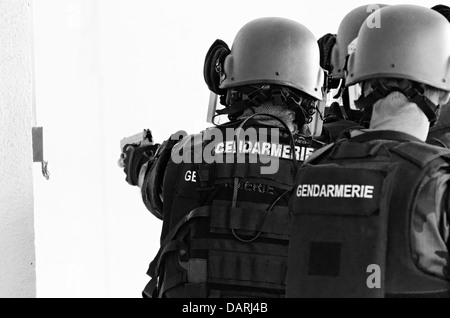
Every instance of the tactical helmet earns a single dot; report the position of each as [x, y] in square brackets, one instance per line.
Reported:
[274, 51]
[412, 43]
[347, 33]
[442, 9]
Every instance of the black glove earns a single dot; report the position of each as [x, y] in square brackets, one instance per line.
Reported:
[133, 160]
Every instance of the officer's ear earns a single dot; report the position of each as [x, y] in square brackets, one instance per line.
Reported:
[444, 98]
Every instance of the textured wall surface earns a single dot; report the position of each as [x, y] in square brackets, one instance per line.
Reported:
[17, 251]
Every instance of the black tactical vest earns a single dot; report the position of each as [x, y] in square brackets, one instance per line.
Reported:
[352, 208]
[226, 225]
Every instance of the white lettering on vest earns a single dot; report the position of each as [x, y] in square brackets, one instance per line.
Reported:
[349, 191]
[190, 176]
[264, 149]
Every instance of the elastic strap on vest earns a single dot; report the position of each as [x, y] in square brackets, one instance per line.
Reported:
[168, 244]
[177, 287]
[259, 267]
[151, 289]
[194, 281]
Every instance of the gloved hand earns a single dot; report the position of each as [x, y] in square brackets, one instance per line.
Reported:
[133, 160]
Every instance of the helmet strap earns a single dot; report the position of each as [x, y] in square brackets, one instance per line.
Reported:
[411, 90]
[237, 101]
[250, 96]
[235, 108]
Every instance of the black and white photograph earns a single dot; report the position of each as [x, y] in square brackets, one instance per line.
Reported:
[243, 151]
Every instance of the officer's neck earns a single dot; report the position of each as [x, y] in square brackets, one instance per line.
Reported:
[413, 123]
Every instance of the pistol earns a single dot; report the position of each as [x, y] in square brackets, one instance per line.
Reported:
[143, 138]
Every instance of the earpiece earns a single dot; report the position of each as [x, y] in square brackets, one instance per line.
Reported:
[213, 68]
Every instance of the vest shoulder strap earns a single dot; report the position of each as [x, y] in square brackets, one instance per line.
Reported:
[421, 154]
[380, 143]
[320, 153]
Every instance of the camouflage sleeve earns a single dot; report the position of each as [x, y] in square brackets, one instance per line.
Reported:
[446, 218]
[430, 232]
[445, 210]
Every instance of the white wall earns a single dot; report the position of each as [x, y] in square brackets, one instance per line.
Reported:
[17, 252]
[107, 69]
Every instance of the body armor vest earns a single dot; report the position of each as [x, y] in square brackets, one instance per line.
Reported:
[226, 225]
[353, 207]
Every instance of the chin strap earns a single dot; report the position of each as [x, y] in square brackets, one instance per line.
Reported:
[411, 90]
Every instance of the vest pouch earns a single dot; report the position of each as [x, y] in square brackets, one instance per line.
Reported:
[251, 248]
[219, 249]
[250, 220]
[339, 231]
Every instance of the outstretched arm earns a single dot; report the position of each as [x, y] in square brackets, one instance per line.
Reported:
[145, 167]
